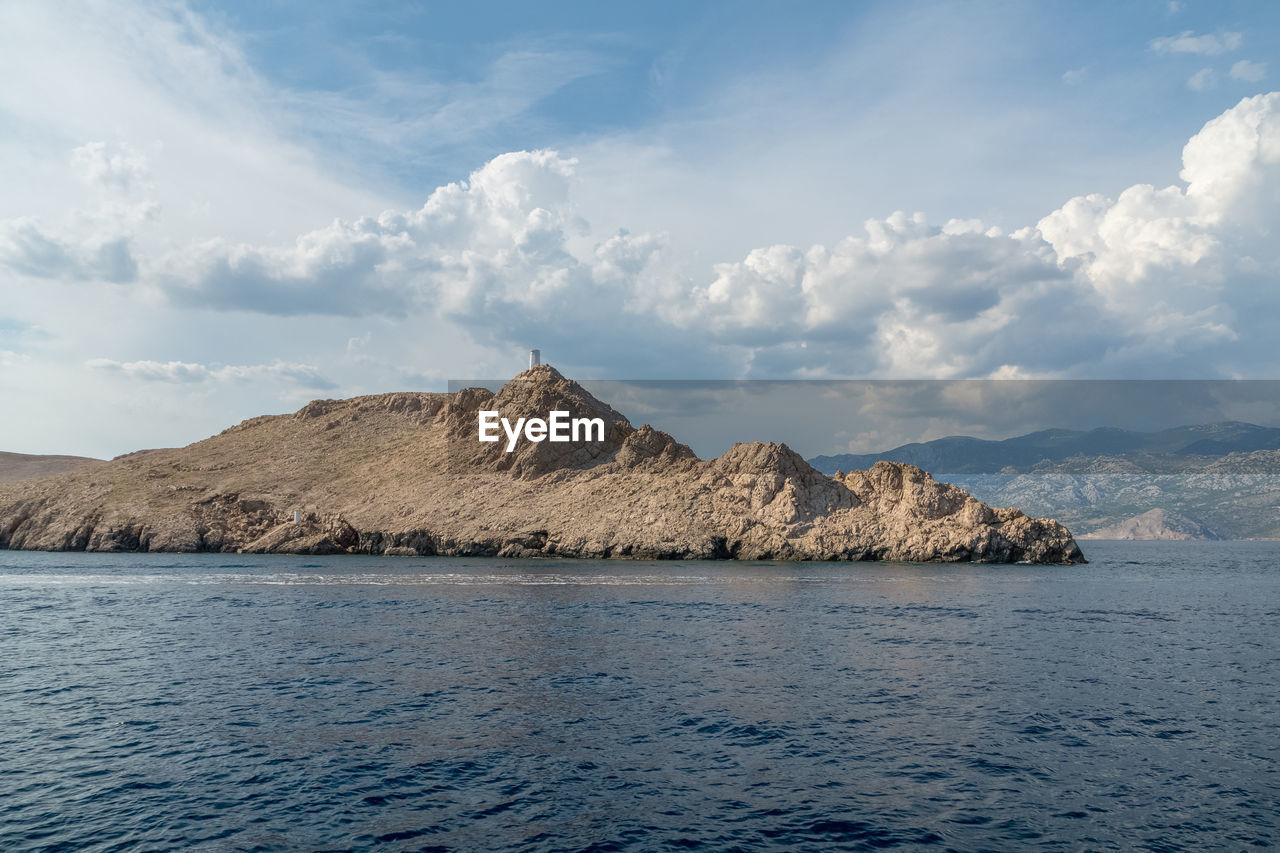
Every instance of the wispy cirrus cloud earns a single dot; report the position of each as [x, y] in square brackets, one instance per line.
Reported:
[1248, 71]
[1202, 80]
[1209, 44]
[302, 375]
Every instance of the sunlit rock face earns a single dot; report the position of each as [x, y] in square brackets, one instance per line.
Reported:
[405, 473]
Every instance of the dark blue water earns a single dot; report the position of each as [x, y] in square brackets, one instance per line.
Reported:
[272, 703]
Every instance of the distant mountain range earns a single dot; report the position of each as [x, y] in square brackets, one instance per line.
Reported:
[965, 455]
[1191, 482]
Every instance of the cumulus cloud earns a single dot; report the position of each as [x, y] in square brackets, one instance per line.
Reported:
[302, 375]
[1205, 45]
[1171, 261]
[118, 167]
[1152, 281]
[28, 248]
[499, 235]
[1155, 279]
[503, 252]
[908, 298]
[1126, 282]
[96, 242]
[1248, 71]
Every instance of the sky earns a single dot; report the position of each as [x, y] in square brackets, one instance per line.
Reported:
[210, 211]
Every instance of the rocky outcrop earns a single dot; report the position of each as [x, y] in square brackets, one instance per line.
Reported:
[532, 394]
[403, 474]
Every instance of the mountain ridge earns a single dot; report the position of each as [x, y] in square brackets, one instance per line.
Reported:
[27, 466]
[1155, 525]
[968, 455]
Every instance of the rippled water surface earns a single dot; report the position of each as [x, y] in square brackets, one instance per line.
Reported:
[273, 703]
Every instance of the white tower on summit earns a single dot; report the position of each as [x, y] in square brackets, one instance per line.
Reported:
[535, 358]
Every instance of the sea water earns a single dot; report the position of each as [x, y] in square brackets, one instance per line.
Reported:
[157, 702]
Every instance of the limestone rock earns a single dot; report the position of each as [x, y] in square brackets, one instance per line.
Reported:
[403, 474]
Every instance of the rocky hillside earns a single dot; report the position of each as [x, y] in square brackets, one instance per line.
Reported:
[1236, 496]
[1155, 524]
[27, 466]
[1021, 454]
[403, 474]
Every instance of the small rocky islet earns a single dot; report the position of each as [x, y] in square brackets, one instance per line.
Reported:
[403, 474]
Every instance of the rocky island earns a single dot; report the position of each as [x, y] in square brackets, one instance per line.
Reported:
[403, 474]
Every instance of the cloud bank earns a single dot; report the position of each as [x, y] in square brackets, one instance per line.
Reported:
[1155, 281]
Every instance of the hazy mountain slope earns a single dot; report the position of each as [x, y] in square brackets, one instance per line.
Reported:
[25, 466]
[1236, 496]
[1155, 524]
[964, 455]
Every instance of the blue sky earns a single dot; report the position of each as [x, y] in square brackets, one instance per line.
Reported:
[590, 70]
[226, 209]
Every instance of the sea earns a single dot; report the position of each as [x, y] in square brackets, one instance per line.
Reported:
[230, 702]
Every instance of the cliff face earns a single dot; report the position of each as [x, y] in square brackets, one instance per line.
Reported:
[403, 474]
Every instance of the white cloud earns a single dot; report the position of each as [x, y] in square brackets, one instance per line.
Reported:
[162, 110]
[154, 155]
[1230, 166]
[1173, 261]
[29, 249]
[500, 236]
[1074, 76]
[1205, 45]
[1100, 284]
[1202, 80]
[197, 191]
[410, 119]
[9, 358]
[94, 242]
[303, 375]
[118, 167]
[504, 253]
[1248, 71]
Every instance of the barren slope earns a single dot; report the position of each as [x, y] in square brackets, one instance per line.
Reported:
[1154, 524]
[403, 474]
[27, 466]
